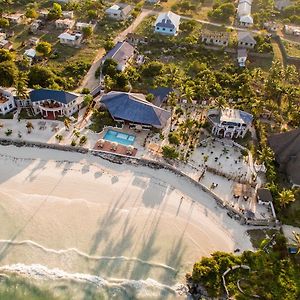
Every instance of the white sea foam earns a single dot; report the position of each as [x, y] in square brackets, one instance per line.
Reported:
[146, 287]
[85, 255]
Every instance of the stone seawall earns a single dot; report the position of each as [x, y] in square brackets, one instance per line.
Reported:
[121, 159]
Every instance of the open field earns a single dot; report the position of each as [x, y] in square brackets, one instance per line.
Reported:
[292, 48]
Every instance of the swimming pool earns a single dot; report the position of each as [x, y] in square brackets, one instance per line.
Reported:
[119, 137]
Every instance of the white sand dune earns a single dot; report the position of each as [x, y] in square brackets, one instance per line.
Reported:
[83, 214]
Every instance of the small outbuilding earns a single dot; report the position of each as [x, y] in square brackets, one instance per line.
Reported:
[264, 196]
[119, 11]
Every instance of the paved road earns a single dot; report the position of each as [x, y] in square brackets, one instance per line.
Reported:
[89, 80]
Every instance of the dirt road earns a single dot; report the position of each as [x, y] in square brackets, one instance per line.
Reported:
[89, 80]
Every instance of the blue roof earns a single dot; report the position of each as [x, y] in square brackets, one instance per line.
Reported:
[246, 117]
[130, 107]
[46, 94]
[160, 94]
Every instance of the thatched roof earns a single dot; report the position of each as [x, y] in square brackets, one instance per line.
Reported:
[242, 190]
[286, 147]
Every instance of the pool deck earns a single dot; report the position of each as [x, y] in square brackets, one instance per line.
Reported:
[120, 149]
[138, 142]
[119, 137]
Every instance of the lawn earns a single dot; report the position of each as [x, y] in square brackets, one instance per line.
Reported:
[292, 49]
[291, 214]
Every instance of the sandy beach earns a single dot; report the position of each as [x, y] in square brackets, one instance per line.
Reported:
[76, 213]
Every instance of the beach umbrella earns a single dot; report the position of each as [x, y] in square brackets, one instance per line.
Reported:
[114, 145]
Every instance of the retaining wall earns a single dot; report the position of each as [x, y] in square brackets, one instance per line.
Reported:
[120, 159]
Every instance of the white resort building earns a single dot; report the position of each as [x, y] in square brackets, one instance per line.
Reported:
[229, 123]
[52, 103]
[7, 102]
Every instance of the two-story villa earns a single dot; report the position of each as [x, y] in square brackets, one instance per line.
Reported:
[7, 102]
[230, 123]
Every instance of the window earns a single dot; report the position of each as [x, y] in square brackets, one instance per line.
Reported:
[246, 44]
[171, 30]
[10, 106]
[224, 43]
[164, 29]
[157, 28]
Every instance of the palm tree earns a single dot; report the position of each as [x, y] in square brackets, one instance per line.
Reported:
[21, 86]
[188, 93]
[285, 197]
[172, 101]
[175, 76]
[266, 155]
[291, 74]
[220, 102]
[297, 240]
[67, 123]
[29, 127]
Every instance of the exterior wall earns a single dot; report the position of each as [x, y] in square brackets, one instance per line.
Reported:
[166, 31]
[224, 130]
[69, 42]
[214, 41]
[23, 102]
[64, 25]
[9, 105]
[117, 14]
[64, 110]
[15, 20]
[242, 61]
[245, 24]
[227, 131]
[246, 45]
[81, 26]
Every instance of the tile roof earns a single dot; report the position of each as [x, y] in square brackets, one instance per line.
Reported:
[121, 53]
[246, 37]
[160, 94]
[47, 94]
[242, 53]
[168, 20]
[133, 108]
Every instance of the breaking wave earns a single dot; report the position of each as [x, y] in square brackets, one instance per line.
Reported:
[127, 288]
[85, 255]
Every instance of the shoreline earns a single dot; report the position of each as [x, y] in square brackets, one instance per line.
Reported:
[121, 213]
[120, 159]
